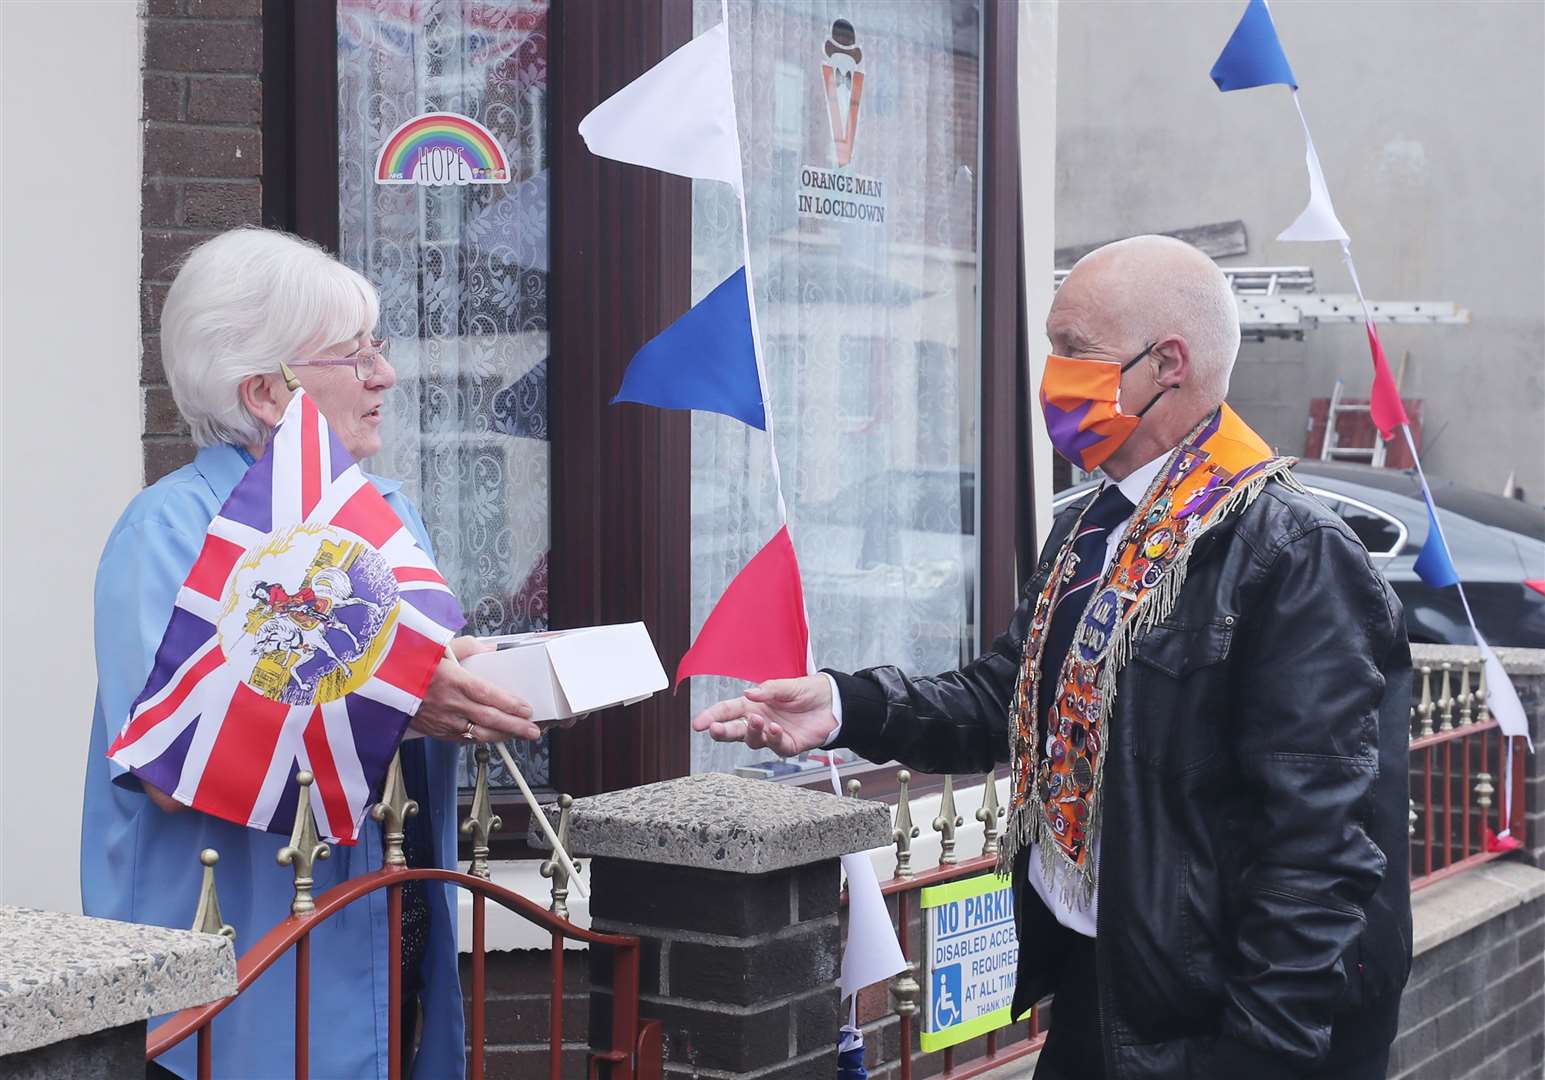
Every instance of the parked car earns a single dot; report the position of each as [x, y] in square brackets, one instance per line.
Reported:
[1498, 547]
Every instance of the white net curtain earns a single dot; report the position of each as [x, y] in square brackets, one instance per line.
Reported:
[869, 329]
[462, 273]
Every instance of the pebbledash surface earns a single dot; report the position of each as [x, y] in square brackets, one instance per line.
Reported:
[66, 976]
[716, 821]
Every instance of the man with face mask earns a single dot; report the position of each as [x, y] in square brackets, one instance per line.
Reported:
[1203, 701]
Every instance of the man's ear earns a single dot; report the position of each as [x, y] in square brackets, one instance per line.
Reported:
[265, 398]
[1174, 356]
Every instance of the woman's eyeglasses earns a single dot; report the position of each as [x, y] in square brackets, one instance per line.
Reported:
[365, 362]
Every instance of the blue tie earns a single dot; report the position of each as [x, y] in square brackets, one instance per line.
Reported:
[1108, 511]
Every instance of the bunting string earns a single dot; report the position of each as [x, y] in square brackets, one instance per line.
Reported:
[1252, 57]
[679, 117]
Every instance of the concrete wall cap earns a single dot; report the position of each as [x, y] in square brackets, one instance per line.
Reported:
[1444, 910]
[62, 976]
[1515, 660]
[715, 821]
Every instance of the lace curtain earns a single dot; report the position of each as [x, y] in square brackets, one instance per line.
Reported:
[462, 273]
[869, 328]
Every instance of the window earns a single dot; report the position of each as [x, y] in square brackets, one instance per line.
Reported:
[1380, 533]
[462, 273]
[512, 312]
[864, 251]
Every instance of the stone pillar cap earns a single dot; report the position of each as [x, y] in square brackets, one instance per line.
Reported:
[715, 821]
[62, 976]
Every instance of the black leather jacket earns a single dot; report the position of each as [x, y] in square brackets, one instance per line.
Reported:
[1254, 914]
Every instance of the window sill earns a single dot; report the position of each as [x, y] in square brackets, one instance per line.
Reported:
[504, 930]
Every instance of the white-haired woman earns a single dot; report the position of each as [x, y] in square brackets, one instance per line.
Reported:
[243, 303]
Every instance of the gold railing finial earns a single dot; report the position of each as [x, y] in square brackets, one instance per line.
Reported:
[305, 848]
[393, 812]
[1446, 699]
[1482, 707]
[853, 788]
[1466, 696]
[904, 832]
[553, 868]
[481, 822]
[947, 822]
[1484, 790]
[291, 383]
[1424, 710]
[207, 920]
[988, 814]
[905, 991]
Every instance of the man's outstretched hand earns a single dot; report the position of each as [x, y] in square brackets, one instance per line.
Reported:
[787, 716]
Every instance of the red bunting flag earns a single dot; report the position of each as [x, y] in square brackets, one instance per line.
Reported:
[757, 631]
[1384, 403]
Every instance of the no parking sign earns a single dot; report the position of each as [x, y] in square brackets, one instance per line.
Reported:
[972, 959]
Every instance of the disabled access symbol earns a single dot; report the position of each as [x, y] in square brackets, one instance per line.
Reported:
[946, 998]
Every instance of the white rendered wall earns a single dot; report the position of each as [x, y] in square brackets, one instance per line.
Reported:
[70, 451]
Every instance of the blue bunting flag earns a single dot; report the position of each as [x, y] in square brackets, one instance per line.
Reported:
[1253, 55]
[1433, 565]
[704, 360]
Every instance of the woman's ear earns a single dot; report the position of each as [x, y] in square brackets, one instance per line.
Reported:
[265, 398]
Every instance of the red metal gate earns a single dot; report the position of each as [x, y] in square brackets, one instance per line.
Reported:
[634, 1047]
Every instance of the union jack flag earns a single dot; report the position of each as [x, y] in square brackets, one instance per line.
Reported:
[304, 637]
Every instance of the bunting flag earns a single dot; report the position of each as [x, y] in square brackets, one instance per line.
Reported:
[871, 952]
[1253, 56]
[704, 360]
[1388, 411]
[677, 117]
[1434, 565]
[1502, 699]
[757, 630]
[1318, 219]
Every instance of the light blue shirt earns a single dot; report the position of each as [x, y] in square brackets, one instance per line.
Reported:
[140, 864]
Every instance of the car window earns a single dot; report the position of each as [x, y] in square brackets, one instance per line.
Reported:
[1380, 533]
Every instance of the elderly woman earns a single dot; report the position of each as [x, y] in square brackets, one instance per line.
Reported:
[242, 303]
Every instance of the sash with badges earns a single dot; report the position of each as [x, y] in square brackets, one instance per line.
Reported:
[1056, 774]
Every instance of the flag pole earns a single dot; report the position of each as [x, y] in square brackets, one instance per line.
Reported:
[541, 819]
[537, 813]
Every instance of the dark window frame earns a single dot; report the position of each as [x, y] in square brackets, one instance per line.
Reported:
[621, 477]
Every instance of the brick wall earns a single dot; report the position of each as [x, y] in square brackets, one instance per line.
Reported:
[1475, 1006]
[202, 169]
[517, 1012]
[740, 969]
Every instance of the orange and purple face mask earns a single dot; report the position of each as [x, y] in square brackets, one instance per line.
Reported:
[1081, 402]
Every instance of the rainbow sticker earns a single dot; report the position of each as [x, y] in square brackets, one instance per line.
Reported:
[442, 148]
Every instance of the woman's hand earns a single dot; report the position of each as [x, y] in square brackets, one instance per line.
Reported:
[787, 716]
[456, 696]
[162, 799]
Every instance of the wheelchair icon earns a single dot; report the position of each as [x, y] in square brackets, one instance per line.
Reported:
[946, 998]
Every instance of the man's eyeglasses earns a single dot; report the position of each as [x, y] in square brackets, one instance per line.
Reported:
[366, 362]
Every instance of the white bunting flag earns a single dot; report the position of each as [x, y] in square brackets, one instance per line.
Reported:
[1512, 721]
[1318, 220]
[1502, 696]
[678, 117]
[872, 952]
